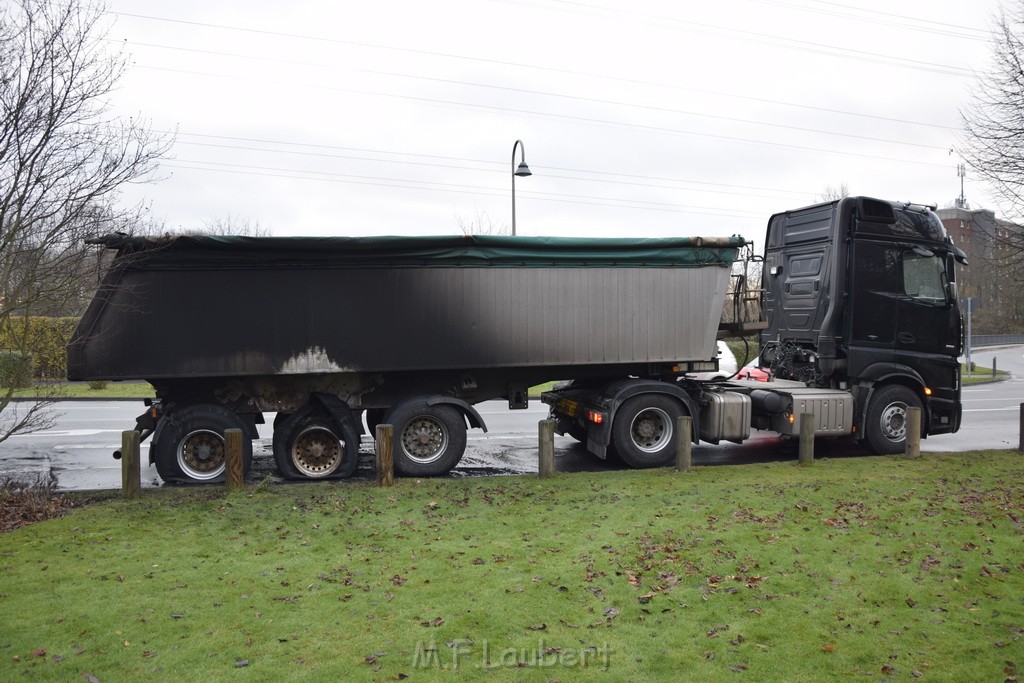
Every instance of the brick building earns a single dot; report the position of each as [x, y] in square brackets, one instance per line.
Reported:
[991, 280]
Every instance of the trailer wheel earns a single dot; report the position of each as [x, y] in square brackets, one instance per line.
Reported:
[885, 427]
[310, 445]
[429, 440]
[191, 448]
[643, 431]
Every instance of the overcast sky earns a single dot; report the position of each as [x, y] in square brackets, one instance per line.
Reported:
[639, 118]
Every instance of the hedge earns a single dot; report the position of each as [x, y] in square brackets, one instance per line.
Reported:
[44, 339]
[15, 370]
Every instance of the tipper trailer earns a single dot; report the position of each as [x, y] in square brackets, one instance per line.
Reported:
[860, 315]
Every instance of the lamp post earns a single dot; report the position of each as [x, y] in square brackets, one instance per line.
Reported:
[522, 170]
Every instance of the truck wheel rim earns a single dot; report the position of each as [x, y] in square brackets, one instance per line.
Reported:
[201, 454]
[651, 430]
[424, 440]
[317, 452]
[893, 421]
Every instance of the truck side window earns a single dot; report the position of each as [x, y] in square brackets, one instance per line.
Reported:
[924, 277]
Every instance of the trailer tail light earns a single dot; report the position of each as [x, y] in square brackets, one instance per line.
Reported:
[791, 417]
[595, 417]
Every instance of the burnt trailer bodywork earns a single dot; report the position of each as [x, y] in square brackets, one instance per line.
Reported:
[326, 327]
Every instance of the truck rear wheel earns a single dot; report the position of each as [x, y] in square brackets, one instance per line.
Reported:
[429, 440]
[885, 427]
[310, 445]
[643, 432]
[191, 446]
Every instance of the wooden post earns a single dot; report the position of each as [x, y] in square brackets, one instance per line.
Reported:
[131, 470]
[912, 447]
[385, 455]
[546, 448]
[684, 443]
[1021, 447]
[806, 438]
[235, 473]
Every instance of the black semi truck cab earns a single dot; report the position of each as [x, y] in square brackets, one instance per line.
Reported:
[860, 295]
[860, 324]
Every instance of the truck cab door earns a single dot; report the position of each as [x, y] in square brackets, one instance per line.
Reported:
[928, 318]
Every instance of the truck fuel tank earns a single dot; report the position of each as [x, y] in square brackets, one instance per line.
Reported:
[831, 409]
[725, 417]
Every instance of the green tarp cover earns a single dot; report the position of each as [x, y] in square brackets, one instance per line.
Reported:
[441, 251]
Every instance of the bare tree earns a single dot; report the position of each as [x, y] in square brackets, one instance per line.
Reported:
[482, 224]
[993, 138]
[830, 194]
[63, 160]
[234, 225]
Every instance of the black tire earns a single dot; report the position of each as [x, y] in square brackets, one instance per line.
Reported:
[191, 448]
[311, 445]
[279, 418]
[885, 425]
[643, 431]
[429, 440]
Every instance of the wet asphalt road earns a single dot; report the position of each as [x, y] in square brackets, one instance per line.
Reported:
[77, 449]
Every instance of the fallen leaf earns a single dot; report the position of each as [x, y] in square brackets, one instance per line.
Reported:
[39, 652]
[737, 667]
[644, 599]
[241, 662]
[538, 627]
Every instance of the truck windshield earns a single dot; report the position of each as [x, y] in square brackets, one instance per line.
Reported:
[924, 277]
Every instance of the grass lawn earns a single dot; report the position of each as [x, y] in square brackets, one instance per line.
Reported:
[113, 390]
[856, 568]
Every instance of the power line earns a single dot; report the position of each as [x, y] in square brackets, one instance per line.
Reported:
[865, 56]
[775, 41]
[491, 162]
[664, 110]
[983, 32]
[451, 187]
[563, 117]
[488, 170]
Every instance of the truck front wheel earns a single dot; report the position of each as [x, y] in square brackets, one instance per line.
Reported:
[191, 446]
[429, 440]
[643, 431]
[885, 427]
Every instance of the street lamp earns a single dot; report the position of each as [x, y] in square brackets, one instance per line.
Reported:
[522, 170]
